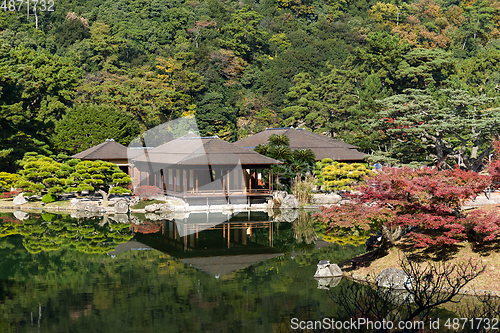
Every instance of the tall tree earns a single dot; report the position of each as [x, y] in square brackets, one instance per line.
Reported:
[245, 36]
[451, 125]
[86, 125]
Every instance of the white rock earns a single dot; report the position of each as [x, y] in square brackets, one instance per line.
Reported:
[152, 208]
[325, 269]
[167, 207]
[20, 200]
[121, 207]
[290, 202]
[394, 279]
[326, 199]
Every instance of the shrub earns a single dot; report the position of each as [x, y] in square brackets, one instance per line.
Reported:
[143, 203]
[340, 176]
[427, 202]
[148, 191]
[10, 194]
[7, 180]
[47, 198]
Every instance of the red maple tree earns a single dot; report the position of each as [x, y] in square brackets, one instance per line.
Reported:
[426, 203]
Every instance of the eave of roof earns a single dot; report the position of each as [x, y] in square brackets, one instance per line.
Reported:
[202, 151]
[104, 151]
[321, 145]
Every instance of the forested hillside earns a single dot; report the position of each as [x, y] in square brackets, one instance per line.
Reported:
[411, 82]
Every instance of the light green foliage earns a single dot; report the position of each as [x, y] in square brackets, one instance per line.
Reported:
[334, 176]
[103, 177]
[297, 7]
[7, 180]
[245, 35]
[47, 198]
[41, 174]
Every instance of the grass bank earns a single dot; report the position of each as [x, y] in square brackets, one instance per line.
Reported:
[369, 265]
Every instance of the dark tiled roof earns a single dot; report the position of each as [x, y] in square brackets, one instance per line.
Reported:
[322, 146]
[104, 151]
[189, 150]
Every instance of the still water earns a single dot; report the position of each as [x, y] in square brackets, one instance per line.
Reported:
[202, 273]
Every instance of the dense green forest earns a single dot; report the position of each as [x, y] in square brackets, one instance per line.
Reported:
[409, 82]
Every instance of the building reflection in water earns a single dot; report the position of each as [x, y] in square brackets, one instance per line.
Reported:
[203, 241]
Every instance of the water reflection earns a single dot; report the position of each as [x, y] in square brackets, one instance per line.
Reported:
[93, 274]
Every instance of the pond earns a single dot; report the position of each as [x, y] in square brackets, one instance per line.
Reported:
[197, 272]
[200, 273]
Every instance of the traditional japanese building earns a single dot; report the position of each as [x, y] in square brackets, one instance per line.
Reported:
[202, 167]
[109, 151]
[322, 146]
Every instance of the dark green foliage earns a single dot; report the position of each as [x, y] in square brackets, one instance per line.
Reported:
[70, 32]
[238, 67]
[85, 126]
[296, 163]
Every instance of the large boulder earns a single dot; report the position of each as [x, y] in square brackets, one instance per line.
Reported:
[326, 270]
[20, 199]
[326, 199]
[94, 209]
[279, 195]
[152, 208]
[167, 207]
[394, 279]
[290, 202]
[121, 207]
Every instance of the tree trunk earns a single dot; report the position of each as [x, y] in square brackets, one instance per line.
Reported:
[439, 150]
[388, 238]
[104, 195]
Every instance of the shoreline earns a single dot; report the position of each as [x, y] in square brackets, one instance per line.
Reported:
[482, 285]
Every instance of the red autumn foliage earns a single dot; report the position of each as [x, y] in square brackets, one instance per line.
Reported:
[426, 200]
[11, 194]
[484, 224]
[148, 191]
